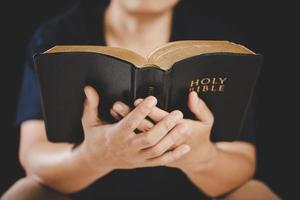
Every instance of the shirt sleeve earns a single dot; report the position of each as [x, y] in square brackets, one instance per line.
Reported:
[29, 102]
[29, 105]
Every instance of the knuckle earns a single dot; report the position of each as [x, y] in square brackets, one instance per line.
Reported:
[148, 141]
[144, 110]
[168, 124]
[145, 142]
[172, 139]
[183, 127]
[156, 151]
[182, 132]
[128, 125]
[151, 140]
[171, 120]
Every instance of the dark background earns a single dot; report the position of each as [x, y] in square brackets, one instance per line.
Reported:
[269, 29]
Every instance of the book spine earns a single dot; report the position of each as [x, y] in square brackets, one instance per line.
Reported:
[150, 81]
[134, 72]
[166, 89]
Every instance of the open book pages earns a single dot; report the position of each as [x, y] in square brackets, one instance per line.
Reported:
[164, 56]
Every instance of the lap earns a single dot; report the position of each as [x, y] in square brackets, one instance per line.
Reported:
[28, 189]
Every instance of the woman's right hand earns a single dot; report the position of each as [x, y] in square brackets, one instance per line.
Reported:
[117, 146]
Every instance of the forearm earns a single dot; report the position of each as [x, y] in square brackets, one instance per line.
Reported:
[60, 167]
[226, 170]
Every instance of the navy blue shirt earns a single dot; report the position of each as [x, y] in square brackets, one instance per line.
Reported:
[83, 24]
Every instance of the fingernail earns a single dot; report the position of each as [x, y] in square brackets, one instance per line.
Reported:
[178, 115]
[194, 96]
[138, 101]
[117, 107]
[86, 91]
[151, 101]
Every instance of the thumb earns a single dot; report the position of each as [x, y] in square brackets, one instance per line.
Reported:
[90, 107]
[198, 107]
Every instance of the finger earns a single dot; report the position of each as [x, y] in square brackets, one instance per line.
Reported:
[131, 121]
[199, 108]
[154, 135]
[170, 156]
[176, 137]
[120, 110]
[90, 110]
[156, 114]
[115, 115]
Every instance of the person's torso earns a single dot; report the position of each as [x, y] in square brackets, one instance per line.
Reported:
[83, 25]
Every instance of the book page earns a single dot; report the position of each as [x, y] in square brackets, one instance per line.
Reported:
[167, 55]
[123, 54]
[163, 57]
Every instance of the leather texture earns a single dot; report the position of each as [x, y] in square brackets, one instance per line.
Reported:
[62, 77]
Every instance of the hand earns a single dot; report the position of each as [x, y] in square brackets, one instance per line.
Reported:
[195, 133]
[117, 146]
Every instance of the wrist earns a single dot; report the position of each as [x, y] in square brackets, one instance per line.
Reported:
[205, 158]
[92, 163]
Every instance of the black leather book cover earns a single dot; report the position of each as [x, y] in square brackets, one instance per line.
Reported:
[224, 80]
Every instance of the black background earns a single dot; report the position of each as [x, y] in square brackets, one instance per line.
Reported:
[269, 28]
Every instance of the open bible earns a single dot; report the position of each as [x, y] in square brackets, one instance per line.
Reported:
[222, 73]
